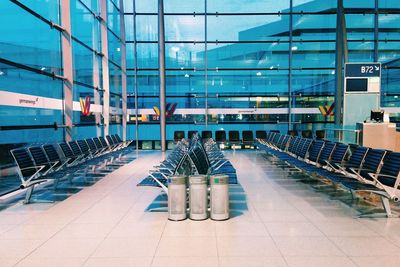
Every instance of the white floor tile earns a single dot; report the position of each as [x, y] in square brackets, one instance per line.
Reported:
[365, 246]
[114, 262]
[59, 262]
[190, 228]
[240, 228]
[185, 261]
[316, 261]
[306, 246]
[292, 229]
[126, 247]
[252, 262]
[85, 231]
[66, 248]
[247, 246]
[187, 246]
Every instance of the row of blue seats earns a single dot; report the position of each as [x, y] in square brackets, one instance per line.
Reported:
[365, 169]
[41, 163]
[204, 158]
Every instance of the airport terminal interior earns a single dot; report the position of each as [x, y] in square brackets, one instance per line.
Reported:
[200, 133]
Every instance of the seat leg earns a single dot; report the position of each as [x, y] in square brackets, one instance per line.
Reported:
[28, 194]
[386, 206]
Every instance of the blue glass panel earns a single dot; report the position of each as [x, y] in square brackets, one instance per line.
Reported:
[45, 8]
[361, 51]
[187, 6]
[25, 82]
[314, 27]
[84, 26]
[31, 136]
[11, 116]
[313, 5]
[389, 53]
[184, 28]
[248, 55]
[148, 6]
[82, 63]
[113, 18]
[86, 131]
[360, 27]
[237, 6]
[359, 3]
[388, 26]
[148, 83]
[247, 28]
[115, 79]
[313, 54]
[147, 56]
[146, 28]
[114, 48]
[238, 82]
[183, 55]
[313, 82]
[129, 28]
[93, 5]
[29, 40]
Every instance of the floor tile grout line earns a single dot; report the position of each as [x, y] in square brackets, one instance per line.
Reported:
[67, 224]
[116, 224]
[327, 237]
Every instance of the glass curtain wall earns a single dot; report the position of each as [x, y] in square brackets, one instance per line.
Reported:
[254, 55]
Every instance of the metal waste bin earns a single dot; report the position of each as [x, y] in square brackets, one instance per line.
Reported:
[219, 197]
[198, 194]
[177, 198]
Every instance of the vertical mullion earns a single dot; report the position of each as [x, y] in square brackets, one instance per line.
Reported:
[66, 46]
[161, 65]
[205, 65]
[135, 87]
[290, 66]
[105, 67]
[123, 68]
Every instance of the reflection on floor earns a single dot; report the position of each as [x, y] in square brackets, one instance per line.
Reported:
[277, 220]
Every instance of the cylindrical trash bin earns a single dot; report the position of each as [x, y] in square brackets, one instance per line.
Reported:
[219, 197]
[198, 197]
[177, 198]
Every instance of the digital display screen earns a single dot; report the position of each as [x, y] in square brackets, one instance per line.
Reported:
[357, 85]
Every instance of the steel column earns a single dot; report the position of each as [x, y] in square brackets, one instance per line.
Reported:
[123, 69]
[376, 31]
[104, 64]
[135, 85]
[161, 65]
[290, 66]
[66, 46]
[205, 65]
[340, 51]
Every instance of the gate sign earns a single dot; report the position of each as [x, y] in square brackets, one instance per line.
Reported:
[363, 70]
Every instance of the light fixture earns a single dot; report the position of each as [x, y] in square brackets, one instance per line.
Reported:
[1, 73]
[42, 68]
[259, 73]
[118, 49]
[187, 75]
[294, 48]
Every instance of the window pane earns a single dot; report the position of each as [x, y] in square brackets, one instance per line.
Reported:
[247, 55]
[247, 28]
[184, 28]
[28, 41]
[238, 6]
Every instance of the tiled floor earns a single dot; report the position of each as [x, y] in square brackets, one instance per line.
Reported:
[276, 221]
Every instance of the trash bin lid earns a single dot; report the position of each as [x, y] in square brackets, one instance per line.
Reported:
[197, 179]
[219, 179]
[177, 179]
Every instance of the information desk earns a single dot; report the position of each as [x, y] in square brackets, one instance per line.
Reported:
[378, 135]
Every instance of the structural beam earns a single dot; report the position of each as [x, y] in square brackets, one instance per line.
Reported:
[66, 46]
[161, 66]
